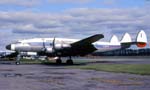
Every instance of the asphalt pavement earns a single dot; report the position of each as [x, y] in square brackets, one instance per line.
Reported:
[55, 77]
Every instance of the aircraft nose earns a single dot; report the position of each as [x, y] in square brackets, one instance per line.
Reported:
[8, 47]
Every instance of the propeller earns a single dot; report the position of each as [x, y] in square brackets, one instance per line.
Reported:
[44, 47]
[53, 46]
[62, 44]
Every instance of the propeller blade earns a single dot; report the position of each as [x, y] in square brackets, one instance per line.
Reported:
[44, 47]
[62, 44]
[53, 43]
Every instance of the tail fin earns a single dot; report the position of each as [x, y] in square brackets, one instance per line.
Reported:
[114, 40]
[141, 40]
[126, 38]
[126, 41]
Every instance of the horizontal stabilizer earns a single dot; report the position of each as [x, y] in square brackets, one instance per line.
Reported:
[88, 40]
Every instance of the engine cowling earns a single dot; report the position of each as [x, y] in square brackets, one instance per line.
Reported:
[49, 50]
[28, 53]
[61, 46]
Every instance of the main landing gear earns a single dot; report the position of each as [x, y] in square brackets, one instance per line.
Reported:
[69, 61]
[58, 61]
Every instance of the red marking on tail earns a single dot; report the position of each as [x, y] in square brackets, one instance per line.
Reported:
[141, 44]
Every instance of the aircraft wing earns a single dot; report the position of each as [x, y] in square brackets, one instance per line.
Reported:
[88, 40]
[85, 46]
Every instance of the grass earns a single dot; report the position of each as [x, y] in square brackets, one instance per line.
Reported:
[28, 61]
[117, 82]
[142, 69]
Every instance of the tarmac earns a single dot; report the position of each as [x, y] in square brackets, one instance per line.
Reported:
[54, 77]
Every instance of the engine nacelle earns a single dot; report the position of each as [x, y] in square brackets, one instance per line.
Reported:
[49, 50]
[61, 46]
[56, 48]
[28, 53]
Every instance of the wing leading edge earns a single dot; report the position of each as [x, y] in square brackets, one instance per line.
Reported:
[88, 40]
[85, 46]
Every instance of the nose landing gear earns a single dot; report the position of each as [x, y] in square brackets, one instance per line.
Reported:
[18, 59]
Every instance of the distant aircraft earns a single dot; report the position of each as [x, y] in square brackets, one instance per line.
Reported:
[63, 47]
[7, 54]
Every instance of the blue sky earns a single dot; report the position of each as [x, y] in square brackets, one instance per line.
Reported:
[22, 19]
[57, 6]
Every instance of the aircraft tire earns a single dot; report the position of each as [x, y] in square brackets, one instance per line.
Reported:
[17, 63]
[58, 61]
[69, 62]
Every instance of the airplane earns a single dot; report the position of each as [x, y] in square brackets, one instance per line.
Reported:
[64, 47]
[7, 54]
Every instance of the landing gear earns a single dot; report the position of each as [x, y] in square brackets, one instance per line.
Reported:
[58, 61]
[18, 59]
[17, 62]
[69, 61]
